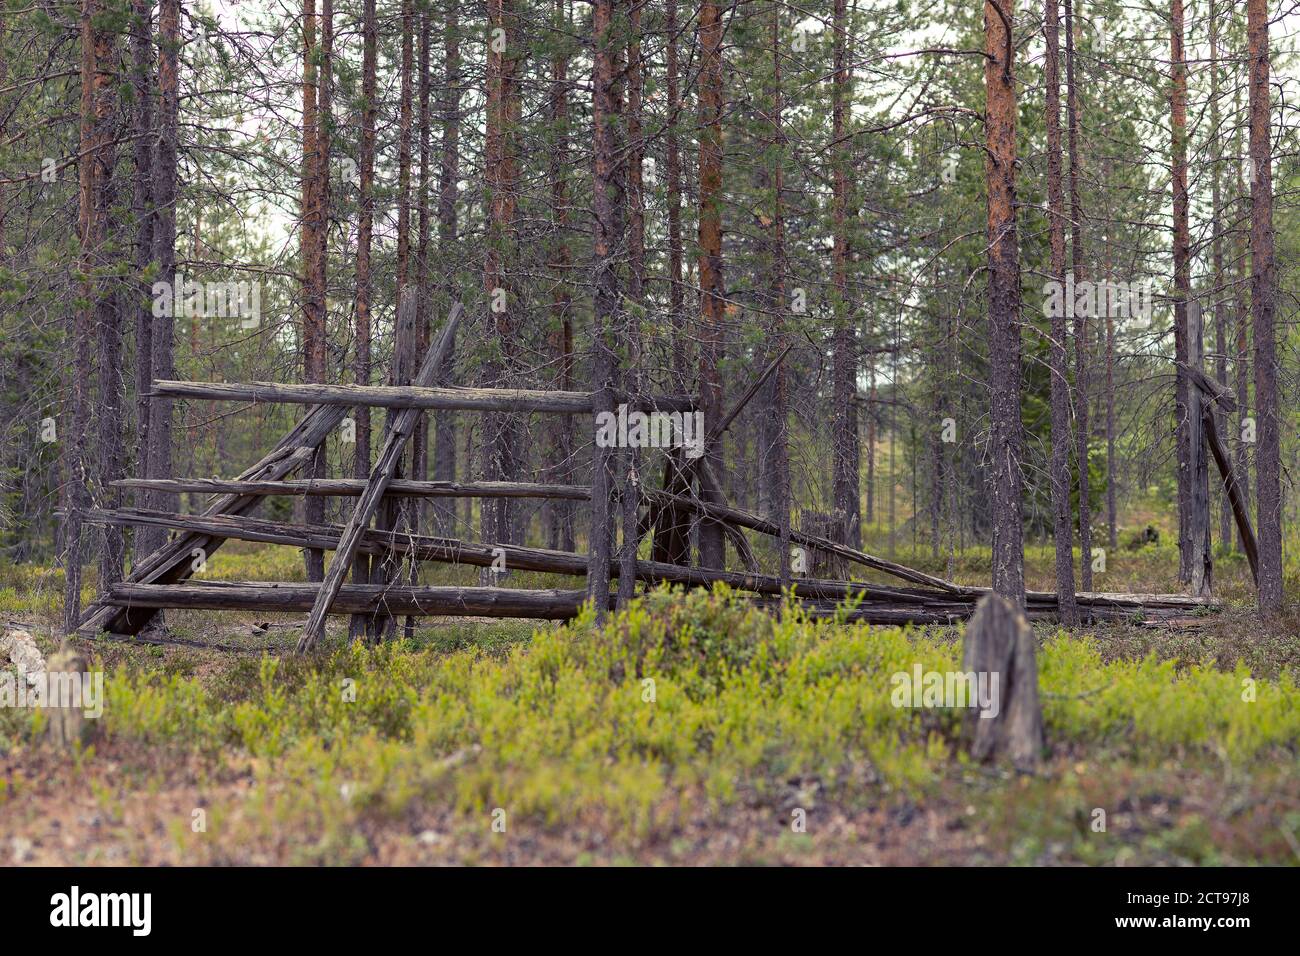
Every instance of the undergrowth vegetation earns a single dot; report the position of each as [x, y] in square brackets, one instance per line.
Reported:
[686, 707]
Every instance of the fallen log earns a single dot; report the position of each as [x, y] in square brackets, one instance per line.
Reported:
[425, 601]
[455, 551]
[918, 605]
[352, 487]
[412, 396]
[440, 601]
[752, 521]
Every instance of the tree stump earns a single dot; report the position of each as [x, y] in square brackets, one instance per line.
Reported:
[1000, 642]
[68, 725]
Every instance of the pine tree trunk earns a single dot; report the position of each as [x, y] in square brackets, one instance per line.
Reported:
[1263, 292]
[1059, 468]
[607, 204]
[844, 372]
[712, 288]
[779, 453]
[1241, 358]
[1081, 332]
[560, 532]
[673, 162]
[444, 456]
[164, 238]
[145, 540]
[1004, 302]
[315, 179]
[500, 440]
[1221, 345]
[1182, 285]
[629, 468]
[361, 370]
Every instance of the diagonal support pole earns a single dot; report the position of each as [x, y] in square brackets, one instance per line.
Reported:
[174, 561]
[380, 476]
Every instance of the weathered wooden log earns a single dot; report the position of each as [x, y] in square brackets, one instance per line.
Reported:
[915, 605]
[999, 650]
[395, 440]
[752, 521]
[174, 560]
[68, 700]
[434, 601]
[424, 601]
[411, 396]
[454, 551]
[352, 487]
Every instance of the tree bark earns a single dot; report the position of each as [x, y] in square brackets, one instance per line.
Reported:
[314, 224]
[1221, 345]
[1263, 292]
[164, 238]
[1081, 332]
[845, 449]
[145, 539]
[1059, 473]
[444, 456]
[94, 167]
[1004, 301]
[628, 472]
[501, 431]
[607, 203]
[560, 530]
[1182, 284]
[365, 228]
[712, 287]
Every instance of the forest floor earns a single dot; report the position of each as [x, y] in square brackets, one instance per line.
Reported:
[690, 730]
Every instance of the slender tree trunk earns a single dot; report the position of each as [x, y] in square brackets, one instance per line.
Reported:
[1263, 291]
[1081, 331]
[779, 452]
[607, 202]
[94, 168]
[145, 540]
[1112, 509]
[4, 80]
[1241, 360]
[420, 440]
[629, 468]
[164, 237]
[444, 457]
[500, 443]
[560, 532]
[1059, 469]
[846, 478]
[712, 288]
[404, 126]
[1182, 285]
[673, 162]
[365, 228]
[315, 178]
[1221, 345]
[1004, 301]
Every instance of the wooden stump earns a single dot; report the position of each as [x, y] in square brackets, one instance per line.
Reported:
[68, 725]
[1000, 642]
